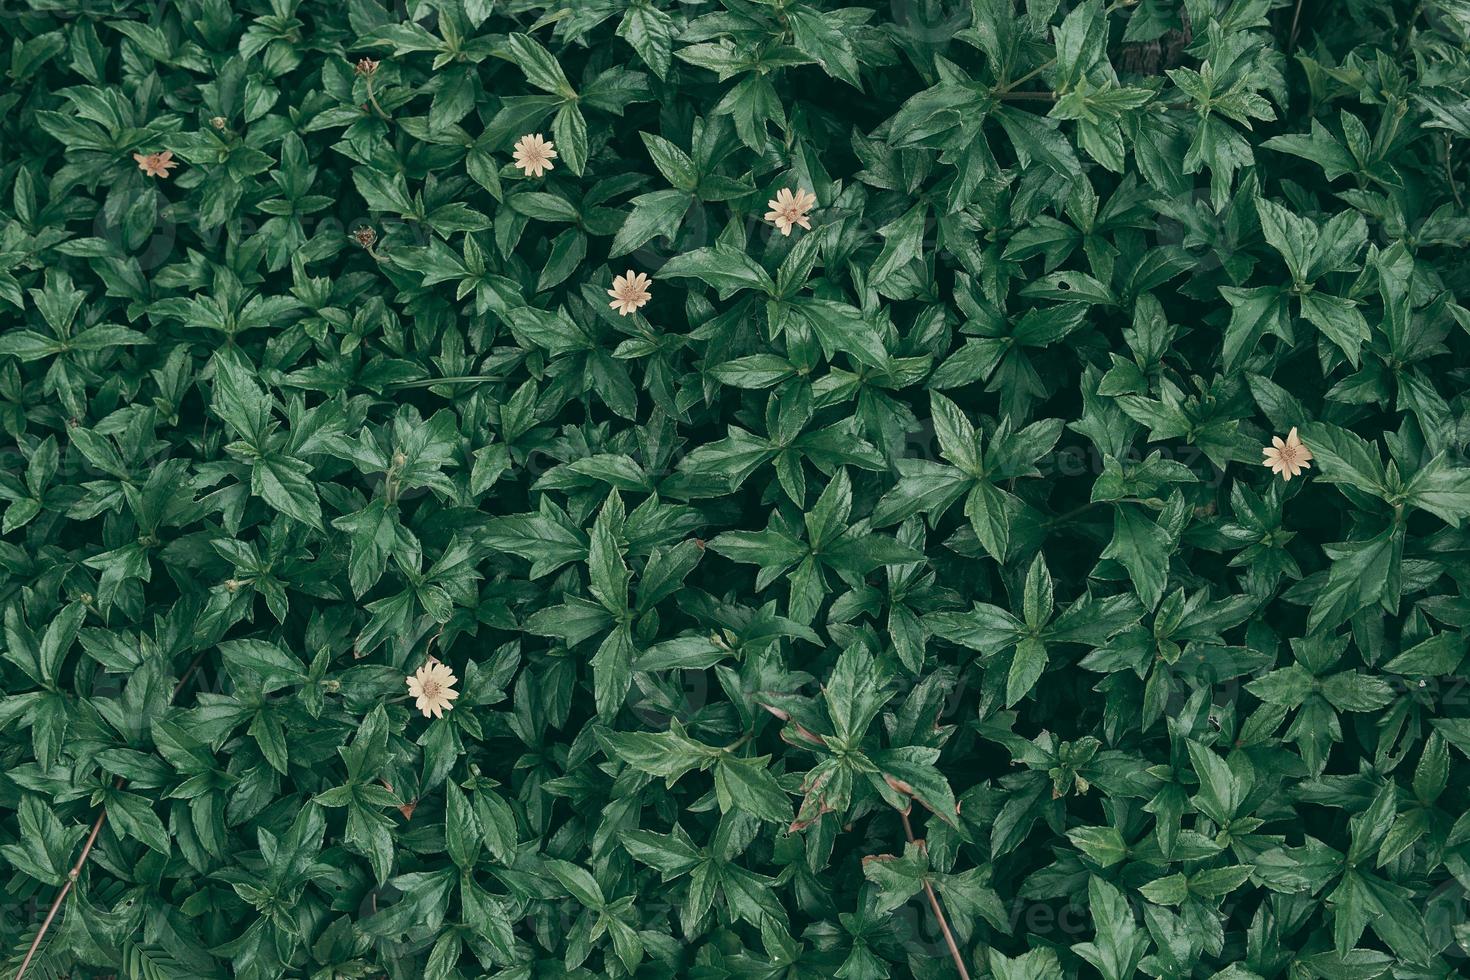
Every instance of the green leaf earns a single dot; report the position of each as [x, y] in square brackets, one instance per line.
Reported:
[842, 328]
[651, 33]
[285, 484]
[1254, 313]
[668, 754]
[1221, 791]
[747, 784]
[1441, 488]
[824, 41]
[542, 70]
[1344, 456]
[1119, 944]
[578, 883]
[569, 132]
[1339, 319]
[1143, 548]
[853, 695]
[722, 267]
[653, 215]
[1362, 573]
[1435, 657]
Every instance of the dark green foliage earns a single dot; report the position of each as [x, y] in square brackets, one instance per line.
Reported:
[954, 498]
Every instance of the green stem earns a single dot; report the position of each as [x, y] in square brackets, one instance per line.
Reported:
[739, 742]
[1026, 77]
[373, 101]
[1068, 515]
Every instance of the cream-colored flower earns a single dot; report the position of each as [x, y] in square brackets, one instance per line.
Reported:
[629, 292]
[432, 687]
[366, 66]
[534, 154]
[156, 164]
[1287, 456]
[790, 208]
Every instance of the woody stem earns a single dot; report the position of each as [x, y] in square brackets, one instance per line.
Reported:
[71, 878]
[954, 949]
[76, 869]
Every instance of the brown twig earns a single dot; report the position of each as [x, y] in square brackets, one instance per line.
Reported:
[1295, 20]
[76, 869]
[185, 679]
[71, 878]
[954, 949]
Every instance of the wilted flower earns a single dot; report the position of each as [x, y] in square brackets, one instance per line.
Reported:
[366, 66]
[1288, 456]
[629, 292]
[534, 154]
[156, 164]
[365, 237]
[791, 208]
[432, 687]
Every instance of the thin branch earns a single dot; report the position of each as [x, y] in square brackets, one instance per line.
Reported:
[1295, 21]
[1062, 518]
[954, 949]
[185, 679]
[76, 869]
[71, 879]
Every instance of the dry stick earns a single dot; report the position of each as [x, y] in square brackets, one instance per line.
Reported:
[76, 869]
[65, 887]
[954, 949]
